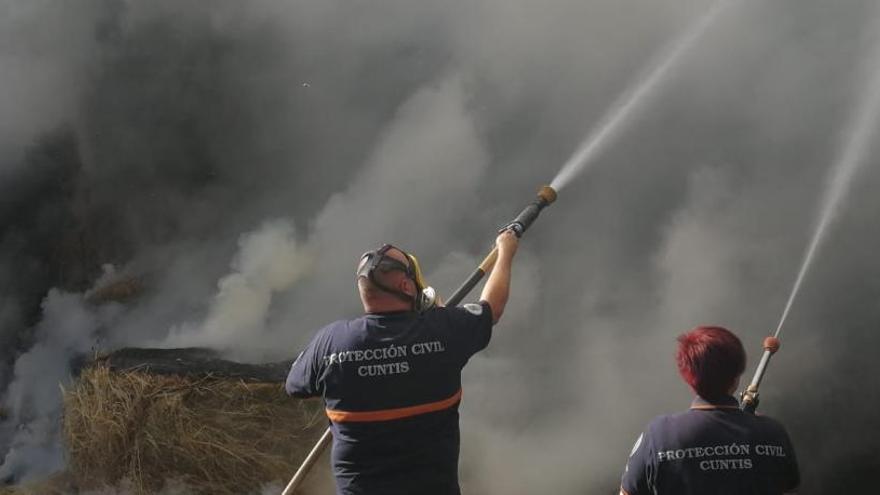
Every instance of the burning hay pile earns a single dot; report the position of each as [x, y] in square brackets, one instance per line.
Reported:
[209, 433]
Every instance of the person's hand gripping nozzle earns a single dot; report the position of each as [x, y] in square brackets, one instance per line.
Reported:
[519, 225]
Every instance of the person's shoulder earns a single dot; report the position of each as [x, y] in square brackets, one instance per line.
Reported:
[770, 424]
[338, 324]
[655, 430]
[662, 423]
[456, 316]
[478, 308]
[675, 423]
[338, 328]
[672, 418]
[437, 316]
[472, 308]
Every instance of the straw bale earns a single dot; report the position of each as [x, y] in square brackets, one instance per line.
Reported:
[192, 362]
[215, 435]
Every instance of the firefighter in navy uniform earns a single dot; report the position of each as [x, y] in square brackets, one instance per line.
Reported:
[714, 448]
[391, 379]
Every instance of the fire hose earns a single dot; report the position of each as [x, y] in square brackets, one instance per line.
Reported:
[749, 402]
[519, 225]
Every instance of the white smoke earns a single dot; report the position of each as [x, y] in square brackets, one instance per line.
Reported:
[269, 260]
[69, 328]
[433, 141]
[417, 184]
[426, 124]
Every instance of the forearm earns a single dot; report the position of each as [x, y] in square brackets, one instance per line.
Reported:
[497, 288]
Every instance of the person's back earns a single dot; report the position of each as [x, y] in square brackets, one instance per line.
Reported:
[391, 384]
[391, 379]
[714, 447]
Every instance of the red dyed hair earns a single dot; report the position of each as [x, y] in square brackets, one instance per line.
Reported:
[709, 360]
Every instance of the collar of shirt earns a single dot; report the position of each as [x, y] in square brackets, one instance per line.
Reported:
[726, 402]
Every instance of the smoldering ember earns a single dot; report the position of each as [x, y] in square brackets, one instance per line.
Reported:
[187, 188]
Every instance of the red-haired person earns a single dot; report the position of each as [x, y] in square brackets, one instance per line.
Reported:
[714, 447]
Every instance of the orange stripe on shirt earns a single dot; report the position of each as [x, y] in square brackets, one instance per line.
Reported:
[391, 414]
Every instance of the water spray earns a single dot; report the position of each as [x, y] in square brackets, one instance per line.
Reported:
[519, 225]
[630, 100]
[856, 145]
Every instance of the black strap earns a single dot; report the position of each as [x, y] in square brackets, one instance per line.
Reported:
[378, 259]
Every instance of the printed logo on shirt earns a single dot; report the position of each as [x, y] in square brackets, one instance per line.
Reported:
[393, 353]
[474, 309]
[722, 457]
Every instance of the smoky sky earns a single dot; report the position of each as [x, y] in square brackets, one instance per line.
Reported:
[238, 157]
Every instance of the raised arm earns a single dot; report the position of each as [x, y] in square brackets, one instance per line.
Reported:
[497, 288]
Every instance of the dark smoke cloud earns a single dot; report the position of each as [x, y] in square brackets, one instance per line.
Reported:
[239, 156]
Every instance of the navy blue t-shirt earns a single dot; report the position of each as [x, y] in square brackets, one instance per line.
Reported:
[391, 384]
[713, 448]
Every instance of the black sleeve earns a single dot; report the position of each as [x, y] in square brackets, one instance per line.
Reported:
[793, 475]
[635, 475]
[302, 381]
[472, 325]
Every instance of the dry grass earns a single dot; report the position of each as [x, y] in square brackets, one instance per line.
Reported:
[215, 436]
